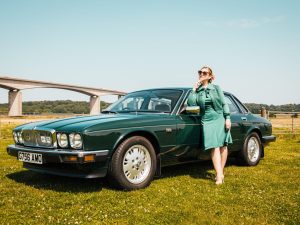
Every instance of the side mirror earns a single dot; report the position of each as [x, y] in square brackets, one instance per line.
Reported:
[191, 109]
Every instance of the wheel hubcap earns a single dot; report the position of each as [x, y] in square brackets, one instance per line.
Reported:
[137, 164]
[253, 149]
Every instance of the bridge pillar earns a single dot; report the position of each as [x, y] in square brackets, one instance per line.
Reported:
[94, 105]
[15, 103]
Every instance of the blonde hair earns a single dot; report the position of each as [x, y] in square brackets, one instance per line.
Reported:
[210, 71]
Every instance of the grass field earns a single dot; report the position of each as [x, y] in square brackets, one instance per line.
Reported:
[266, 194]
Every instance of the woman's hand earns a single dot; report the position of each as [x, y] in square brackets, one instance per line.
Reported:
[197, 84]
[227, 124]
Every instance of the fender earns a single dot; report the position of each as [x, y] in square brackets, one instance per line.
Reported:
[140, 132]
[253, 129]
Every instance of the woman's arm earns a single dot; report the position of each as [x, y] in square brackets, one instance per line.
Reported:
[226, 111]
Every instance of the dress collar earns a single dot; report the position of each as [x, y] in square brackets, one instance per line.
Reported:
[210, 86]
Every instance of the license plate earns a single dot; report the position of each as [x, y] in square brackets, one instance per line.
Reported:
[30, 157]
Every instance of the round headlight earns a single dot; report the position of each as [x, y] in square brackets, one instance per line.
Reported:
[15, 137]
[75, 141]
[20, 139]
[62, 140]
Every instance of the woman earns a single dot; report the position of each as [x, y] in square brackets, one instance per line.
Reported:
[215, 119]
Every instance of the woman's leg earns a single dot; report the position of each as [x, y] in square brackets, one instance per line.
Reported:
[224, 154]
[216, 159]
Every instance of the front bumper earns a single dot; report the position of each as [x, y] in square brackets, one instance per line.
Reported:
[55, 161]
[267, 139]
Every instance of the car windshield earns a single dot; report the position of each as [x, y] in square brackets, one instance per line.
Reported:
[152, 101]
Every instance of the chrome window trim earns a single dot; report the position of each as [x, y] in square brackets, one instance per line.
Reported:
[179, 101]
[238, 103]
[182, 102]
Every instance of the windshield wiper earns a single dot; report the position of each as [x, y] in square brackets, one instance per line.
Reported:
[109, 111]
[143, 111]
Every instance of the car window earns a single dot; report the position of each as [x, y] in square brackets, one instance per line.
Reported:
[131, 103]
[160, 104]
[241, 106]
[163, 100]
[147, 101]
[184, 105]
[232, 107]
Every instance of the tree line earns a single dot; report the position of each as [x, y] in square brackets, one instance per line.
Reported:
[255, 108]
[59, 106]
[82, 107]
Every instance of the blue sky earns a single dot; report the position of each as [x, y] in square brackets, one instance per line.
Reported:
[252, 46]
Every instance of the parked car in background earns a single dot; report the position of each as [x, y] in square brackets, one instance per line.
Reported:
[131, 140]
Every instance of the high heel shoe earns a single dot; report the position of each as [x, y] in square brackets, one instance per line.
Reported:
[219, 180]
[220, 176]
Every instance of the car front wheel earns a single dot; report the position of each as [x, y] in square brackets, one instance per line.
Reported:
[133, 164]
[252, 150]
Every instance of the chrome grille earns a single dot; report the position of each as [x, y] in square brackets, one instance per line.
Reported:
[39, 138]
[29, 138]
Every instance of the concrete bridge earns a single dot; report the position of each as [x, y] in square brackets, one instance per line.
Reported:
[15, 85]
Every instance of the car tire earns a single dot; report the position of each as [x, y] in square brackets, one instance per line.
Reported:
[133, 164]
[251, 152]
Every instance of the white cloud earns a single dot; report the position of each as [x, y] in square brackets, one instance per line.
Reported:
[277, 19]
[242, 23]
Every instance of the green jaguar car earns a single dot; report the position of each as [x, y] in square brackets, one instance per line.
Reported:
[131, 140]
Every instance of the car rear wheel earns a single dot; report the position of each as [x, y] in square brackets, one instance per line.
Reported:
[252, 150]
[133, 164]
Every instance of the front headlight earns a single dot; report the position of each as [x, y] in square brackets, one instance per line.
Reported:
[44, 139]
[75, 141]
[62, 140]
[15, 137]
[20, 138]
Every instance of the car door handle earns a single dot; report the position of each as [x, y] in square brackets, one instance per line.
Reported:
[244, 118]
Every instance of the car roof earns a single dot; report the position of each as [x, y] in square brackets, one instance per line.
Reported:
[172, 88]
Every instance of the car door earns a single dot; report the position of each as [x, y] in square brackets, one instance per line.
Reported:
[239, 122]
[188, 136]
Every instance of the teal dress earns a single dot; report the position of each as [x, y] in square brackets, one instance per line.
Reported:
[213, 111]
[214, 133]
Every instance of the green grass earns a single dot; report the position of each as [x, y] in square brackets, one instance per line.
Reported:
[266, 194]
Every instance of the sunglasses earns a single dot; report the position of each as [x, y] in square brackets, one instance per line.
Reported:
[204, 73]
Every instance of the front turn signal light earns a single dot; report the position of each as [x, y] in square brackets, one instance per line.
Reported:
[89, 158]
[70, 158]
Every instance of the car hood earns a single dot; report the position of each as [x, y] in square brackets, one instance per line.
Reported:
[99, 122]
